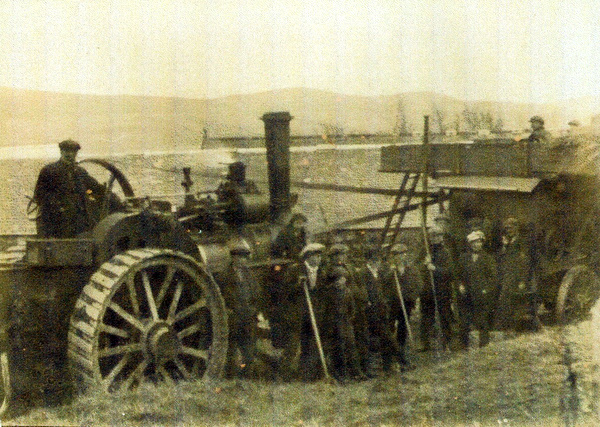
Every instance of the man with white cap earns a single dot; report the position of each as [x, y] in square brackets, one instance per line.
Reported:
[477, 290]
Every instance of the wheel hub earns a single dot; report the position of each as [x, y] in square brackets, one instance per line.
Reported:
[162, 342]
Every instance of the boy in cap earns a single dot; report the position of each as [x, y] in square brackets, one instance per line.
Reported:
[402, 286]
[64, 192]
[381, 337]
[241, 296]
[477, 291]
[338, 309]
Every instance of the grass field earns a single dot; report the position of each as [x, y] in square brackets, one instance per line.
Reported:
[517, 381]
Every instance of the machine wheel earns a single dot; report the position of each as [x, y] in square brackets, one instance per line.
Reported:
[6, 391]
[151, 315]
[579, 290]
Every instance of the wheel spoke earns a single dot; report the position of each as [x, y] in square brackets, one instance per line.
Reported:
[149, 296]
[116, 370]
[165, 285]
[114, 331]
[121, 312]
[182, 368]
[134, 301]
[200, 354]
[175, 301]
[120, 349]
[201, 303]
[189, 330]
[136, 374]
[165, 375]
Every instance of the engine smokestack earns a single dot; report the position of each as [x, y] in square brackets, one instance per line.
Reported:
[277, 141]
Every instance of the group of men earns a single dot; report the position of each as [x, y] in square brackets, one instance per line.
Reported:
[478, 286]
[348, 319]
[329, 317]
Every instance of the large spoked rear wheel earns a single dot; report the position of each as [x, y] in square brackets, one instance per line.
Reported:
[147, 315]
[579, 290]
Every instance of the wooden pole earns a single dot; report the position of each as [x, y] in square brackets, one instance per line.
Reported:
[313, 322]
[425, 188]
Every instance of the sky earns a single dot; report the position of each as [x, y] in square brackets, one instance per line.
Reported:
[504, 50]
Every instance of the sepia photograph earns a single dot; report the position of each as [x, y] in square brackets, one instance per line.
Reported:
[299, 213]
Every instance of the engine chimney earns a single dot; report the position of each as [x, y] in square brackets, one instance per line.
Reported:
[277, 141]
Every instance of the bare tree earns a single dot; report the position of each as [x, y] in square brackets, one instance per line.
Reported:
[457, 123]
[439, 118]
[402, 126]
[498, 125]
[471, 119]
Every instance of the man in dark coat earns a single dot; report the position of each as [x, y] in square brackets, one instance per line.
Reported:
[437, 296]
[338, 256]
[477, 291]
[402, 285]
[289, 310]
[291, 239]
[336, 315]
[230, 193]
[381, 337]
[241, 295]
[516, 265]
[538, 133]
[64, 192]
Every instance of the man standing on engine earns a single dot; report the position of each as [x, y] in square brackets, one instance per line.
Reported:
[538, 132]
[63, 193]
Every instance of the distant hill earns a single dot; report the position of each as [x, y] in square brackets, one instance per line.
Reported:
[132, 123]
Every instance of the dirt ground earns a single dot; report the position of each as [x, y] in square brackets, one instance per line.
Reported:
[516, 380]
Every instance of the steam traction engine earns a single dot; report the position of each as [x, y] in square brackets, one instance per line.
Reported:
[134, 299]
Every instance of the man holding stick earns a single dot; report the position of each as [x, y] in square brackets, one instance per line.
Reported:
[380, 337]
[436, 298]
[402, 285]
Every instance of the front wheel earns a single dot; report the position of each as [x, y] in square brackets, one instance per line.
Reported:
[148, 315]
[579, 290]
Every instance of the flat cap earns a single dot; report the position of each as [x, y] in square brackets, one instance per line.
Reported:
[435, 230]
[338, 248]
[310, 249]
[442, 216]
[475, 235]
[398, 248]
[240, 248]
[537, 119]
[69, 144]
